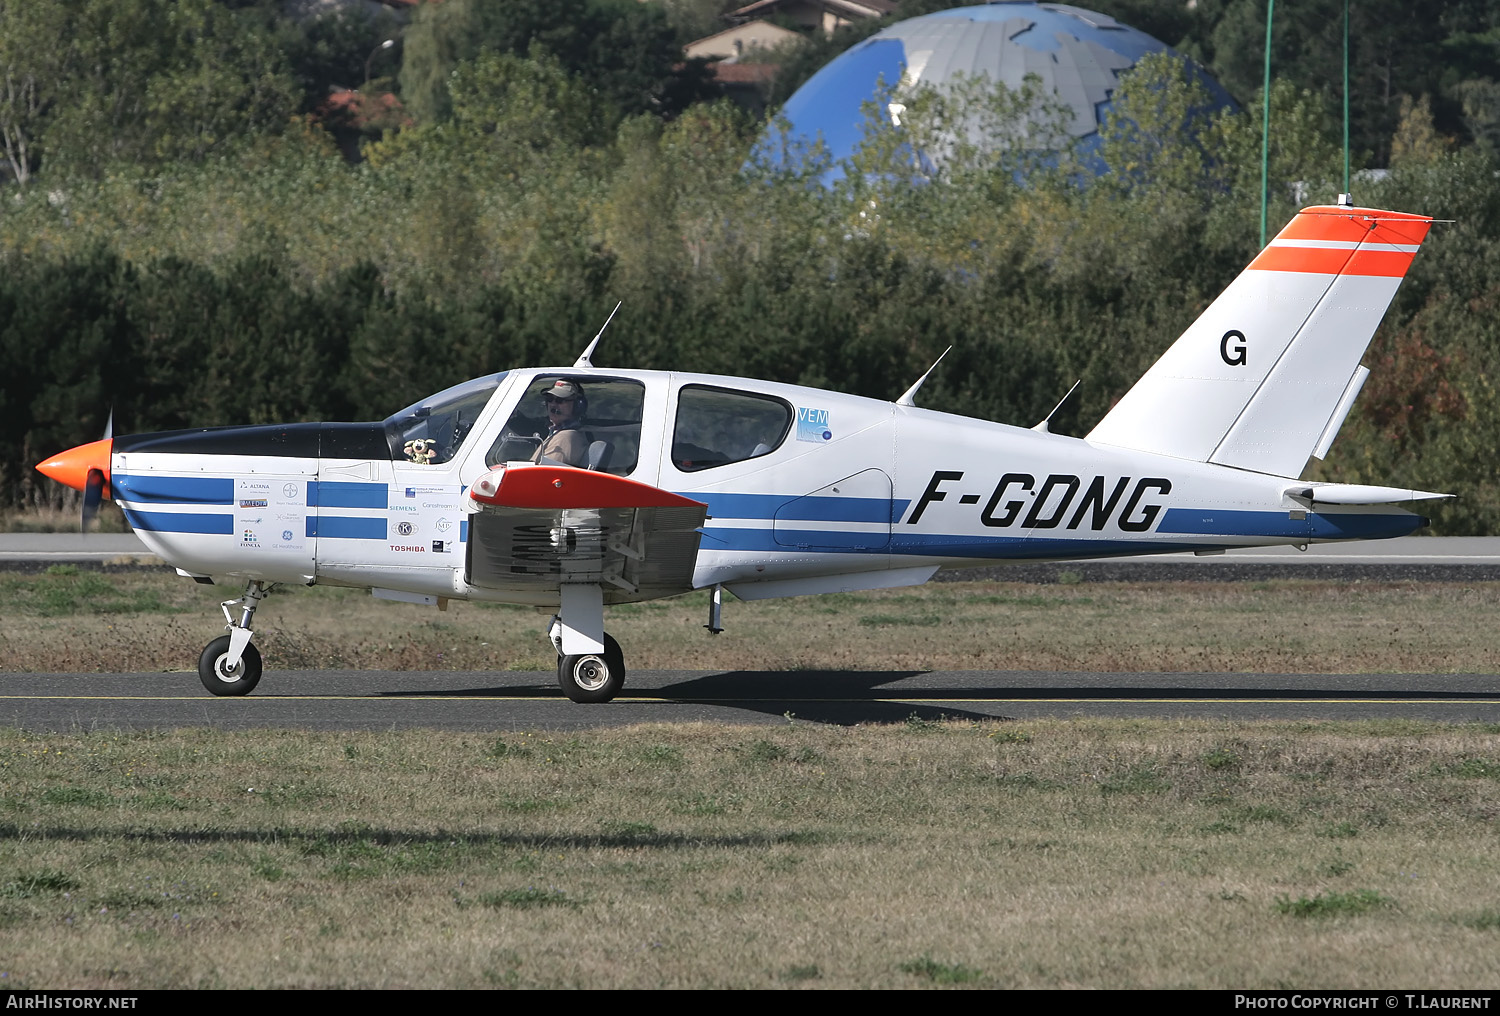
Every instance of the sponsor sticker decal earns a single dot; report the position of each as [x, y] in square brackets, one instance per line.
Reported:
[813, 425]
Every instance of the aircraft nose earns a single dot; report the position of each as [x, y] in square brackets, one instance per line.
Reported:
[72, 467]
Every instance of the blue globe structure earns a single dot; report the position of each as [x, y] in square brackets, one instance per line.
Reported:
[1077, 54]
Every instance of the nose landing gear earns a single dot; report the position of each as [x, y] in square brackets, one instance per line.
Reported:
[230, 665]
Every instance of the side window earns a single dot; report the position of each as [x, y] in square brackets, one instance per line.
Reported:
[717, 426]
[588, 422]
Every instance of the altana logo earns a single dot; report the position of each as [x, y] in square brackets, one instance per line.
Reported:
[812, 425]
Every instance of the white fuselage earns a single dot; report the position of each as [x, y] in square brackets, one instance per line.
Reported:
[857, 493]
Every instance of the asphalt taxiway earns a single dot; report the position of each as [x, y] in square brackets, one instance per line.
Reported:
[451, 700]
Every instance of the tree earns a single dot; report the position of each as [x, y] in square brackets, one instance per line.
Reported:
[33, 37]
[91, 83]
[625, 51]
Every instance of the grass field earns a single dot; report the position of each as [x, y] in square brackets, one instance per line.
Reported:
[70, 620]
[1050, 854]
[920, 854]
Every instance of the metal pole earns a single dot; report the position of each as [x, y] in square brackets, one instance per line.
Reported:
[1265, 123]
[1346, 96]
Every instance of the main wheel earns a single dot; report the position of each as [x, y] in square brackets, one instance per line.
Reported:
[218, 678]
[593, 677]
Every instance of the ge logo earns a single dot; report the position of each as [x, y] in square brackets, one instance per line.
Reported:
[1234, 355]
[286, 536]
[405, 528]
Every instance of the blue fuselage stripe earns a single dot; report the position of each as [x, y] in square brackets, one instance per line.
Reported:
[344, 527]
[155, 489]
[1200, 530]
[180, 522]
[799, 508]
[342, 494]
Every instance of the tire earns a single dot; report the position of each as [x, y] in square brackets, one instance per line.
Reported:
[240, 681]
[593, 677]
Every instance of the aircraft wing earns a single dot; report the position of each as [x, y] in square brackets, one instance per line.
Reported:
[536, 528]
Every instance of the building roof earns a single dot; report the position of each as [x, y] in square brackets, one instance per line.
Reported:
[733, 44]
[845, 8]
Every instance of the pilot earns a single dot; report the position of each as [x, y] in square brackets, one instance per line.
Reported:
[565, 442]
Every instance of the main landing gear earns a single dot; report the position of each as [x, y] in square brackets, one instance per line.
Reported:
[590, 676]
[593, 677]
[599, 676]
[230, 665]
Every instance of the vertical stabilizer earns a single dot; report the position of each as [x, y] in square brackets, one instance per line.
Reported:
[1256, 381]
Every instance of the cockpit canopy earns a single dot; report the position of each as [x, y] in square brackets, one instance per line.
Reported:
[431, 430]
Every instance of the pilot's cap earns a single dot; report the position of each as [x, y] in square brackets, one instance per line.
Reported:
[563, 390]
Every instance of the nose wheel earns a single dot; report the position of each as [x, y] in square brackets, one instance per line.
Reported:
[221, 677]
[593, 677]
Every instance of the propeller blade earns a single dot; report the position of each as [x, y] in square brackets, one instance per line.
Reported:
[93, 493]
[109, 424]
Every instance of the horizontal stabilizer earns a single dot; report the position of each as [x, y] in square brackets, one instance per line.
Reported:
[1263, 378]
[1359, 493]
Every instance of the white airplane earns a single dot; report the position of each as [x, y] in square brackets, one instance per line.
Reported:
[576, 487]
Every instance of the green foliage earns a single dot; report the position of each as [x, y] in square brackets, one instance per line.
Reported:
[1357, 901]
[149, 82]
[1488, 920]
[1140, 779]
[529, 898]
[1221, 759]
[46, 881]
[941, 973]
[627, 53]
[258, 278]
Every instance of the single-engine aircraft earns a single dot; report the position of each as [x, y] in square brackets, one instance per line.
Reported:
[571, 488]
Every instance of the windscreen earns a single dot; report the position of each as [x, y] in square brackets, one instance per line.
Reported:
[431, 431]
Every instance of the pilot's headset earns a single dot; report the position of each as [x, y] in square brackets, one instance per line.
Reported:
[564, 389]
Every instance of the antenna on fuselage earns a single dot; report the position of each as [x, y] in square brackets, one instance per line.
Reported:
[584, 361]
[1042, 427]
[911, 393]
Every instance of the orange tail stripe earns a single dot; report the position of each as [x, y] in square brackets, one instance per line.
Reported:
[1379, 262]
[1333, 261]
[1321, 260]
[1325, 227]
[1358, 228]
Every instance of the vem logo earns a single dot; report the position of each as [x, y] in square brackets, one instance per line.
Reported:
[813, 425]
